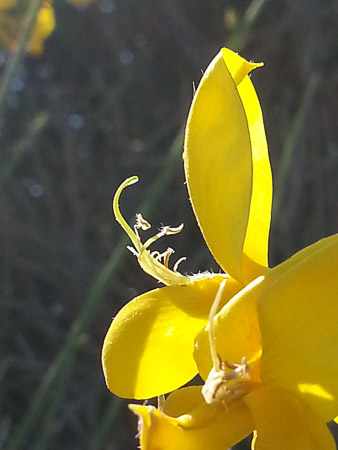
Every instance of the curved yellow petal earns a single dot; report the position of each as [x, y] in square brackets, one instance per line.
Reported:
[237, 333]
[298, 310]
[183, 401]
[227, 167]
[255, 251]
[283, 422]
[204, 428]
[148, 349]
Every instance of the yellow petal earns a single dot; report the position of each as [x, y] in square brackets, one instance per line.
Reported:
[227, 167]
[183, 401]
[282, 422]
[237, 333]
[148, 349]
[257, 233]
[204, 428]
[298, 312]
[45, 24]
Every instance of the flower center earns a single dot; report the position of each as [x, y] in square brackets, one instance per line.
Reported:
[226, 381]
[154, 263]
[227, 384]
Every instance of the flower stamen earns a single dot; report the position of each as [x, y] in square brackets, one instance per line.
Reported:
[142, 223]
[178, 262]
[153, 263]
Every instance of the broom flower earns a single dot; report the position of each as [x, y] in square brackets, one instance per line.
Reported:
[264, 341]
[148, 350]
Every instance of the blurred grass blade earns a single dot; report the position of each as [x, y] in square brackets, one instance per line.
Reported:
[36, 126]
[16, 57]
[238, 38]
[58, 391]
[107, 422]
[291, 143]
[95, 295]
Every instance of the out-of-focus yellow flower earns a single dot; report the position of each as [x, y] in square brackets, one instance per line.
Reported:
[44, 26]
[148, 349]
[9, 24]
[269, 366]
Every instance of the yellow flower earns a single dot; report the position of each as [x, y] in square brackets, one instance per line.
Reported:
[148, 350]
[275, 370]
[44, 26]
[265, 339]
[9, 24]
[268, 353]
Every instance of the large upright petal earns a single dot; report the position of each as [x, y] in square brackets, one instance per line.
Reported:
[148, 349]
[298, 311]
[255, 249]
[227, 167]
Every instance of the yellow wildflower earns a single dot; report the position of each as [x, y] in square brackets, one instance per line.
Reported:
[148, 350]
[265, 339]
[44, 26]
[9, 24]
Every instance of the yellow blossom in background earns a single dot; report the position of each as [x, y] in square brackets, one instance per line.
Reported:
[45, 24]
[11, 23]
[148, 350]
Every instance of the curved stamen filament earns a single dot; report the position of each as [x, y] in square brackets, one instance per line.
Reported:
[118, 215]
[150, 262]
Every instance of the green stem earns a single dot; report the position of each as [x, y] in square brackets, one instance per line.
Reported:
[110, 415]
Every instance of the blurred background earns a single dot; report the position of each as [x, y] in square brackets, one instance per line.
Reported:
[107, 98]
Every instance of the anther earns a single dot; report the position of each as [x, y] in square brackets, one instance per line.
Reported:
[142, 223]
